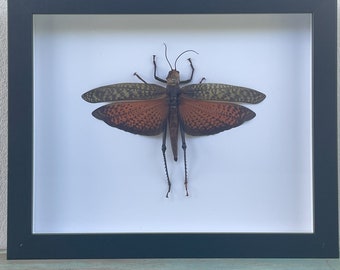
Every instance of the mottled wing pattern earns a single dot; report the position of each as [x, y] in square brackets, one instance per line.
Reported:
[222, 92]
[146, 117]
[199, 117]
[124, 91]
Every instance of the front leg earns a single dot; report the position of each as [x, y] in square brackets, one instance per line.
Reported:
[192, 73]
[155, 73]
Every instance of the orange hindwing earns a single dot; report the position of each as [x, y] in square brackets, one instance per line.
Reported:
[146, 117]
[200, 117]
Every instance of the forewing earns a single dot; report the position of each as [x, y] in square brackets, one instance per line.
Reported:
[139, 117]
[222, 92]
[199, 117]
[124, 91]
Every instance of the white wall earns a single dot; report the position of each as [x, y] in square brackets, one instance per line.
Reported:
[3, 123]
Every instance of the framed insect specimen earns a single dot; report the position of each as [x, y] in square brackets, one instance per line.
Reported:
[91, 191]
[196, 109]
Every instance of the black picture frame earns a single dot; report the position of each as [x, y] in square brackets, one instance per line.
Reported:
[23, 244]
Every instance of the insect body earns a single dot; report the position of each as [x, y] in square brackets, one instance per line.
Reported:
[195, 109]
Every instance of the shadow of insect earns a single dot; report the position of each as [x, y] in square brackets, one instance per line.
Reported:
[195, 109]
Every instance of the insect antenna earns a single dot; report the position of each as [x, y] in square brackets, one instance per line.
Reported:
[166, 55]
[182, 54]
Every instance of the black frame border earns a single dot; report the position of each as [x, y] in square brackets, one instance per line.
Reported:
[23, 244]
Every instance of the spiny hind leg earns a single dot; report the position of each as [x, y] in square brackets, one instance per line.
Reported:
[165, 163]
[184, 146]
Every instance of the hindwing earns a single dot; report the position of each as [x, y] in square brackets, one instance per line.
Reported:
[147, 117]
[200, 117]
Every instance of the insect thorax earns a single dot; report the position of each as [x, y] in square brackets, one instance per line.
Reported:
[173, 92]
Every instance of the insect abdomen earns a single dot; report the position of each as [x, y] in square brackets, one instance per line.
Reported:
[173, 130]
[173, 92]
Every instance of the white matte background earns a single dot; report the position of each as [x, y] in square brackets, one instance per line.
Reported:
[90, 177]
